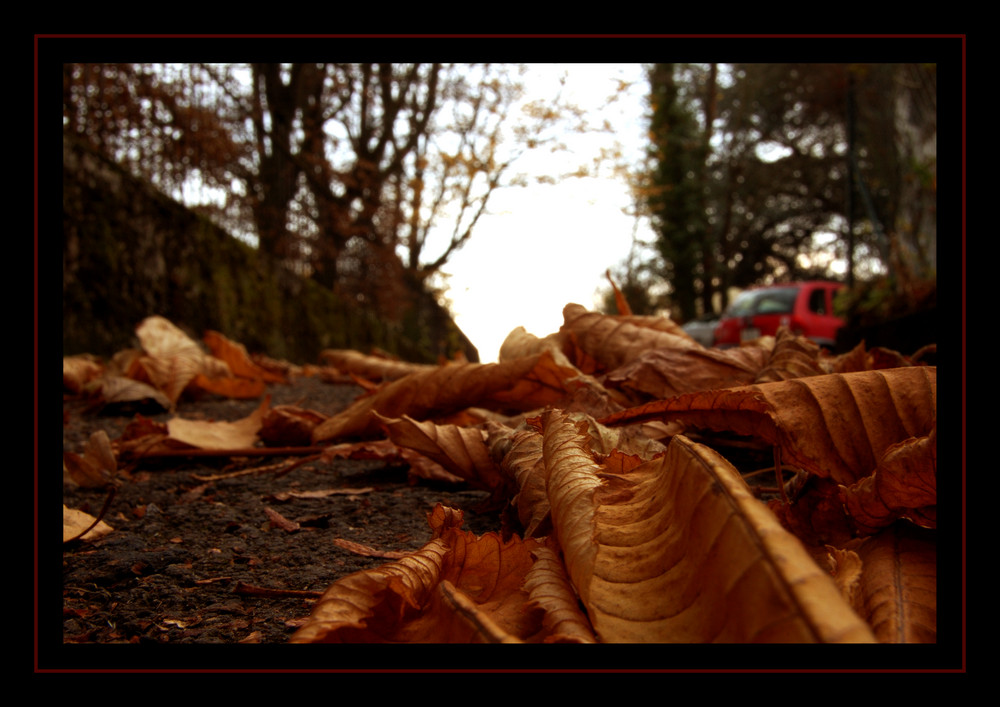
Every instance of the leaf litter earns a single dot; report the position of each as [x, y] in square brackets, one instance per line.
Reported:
[612, 482]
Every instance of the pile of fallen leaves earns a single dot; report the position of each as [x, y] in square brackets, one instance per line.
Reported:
[604, 445]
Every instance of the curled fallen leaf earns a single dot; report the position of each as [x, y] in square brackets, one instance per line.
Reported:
[551, 592]
[678, 550]
[172, 358]
[456, 589]
[97, 466]
[903, 485]
[460, 450]
[612, 341]
[522, 384]
[835, 425]
[519, 456]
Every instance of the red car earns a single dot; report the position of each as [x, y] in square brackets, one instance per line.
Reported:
[804, 307]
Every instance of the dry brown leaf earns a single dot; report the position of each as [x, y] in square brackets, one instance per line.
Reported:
[374, 368]
[861, 359]
[173, 359]
[845, 568]
[654, 543]
[413, 600]
[518, 453]
[118, 389]
[897, 592]
[793, 357]
[238, 361]
[904, 485]
[230, 372]
[230, 387]
[612, 341]
[386, 450]
[678, 550]
[97, 466]
[608, 441]
[80, 370]
[667, 372]
[522, 384]
[485, 628]
[852, 361]
[382, 450]
[126, 363]
[75, 522]
[284, 369]
[880, 357]
[202, 434]
[621, 303]
[836, 425]
[143, 436]
[817, 517]
[289, 426]
[661, 323]
[520, 343]
[551, 592]
[460, 450]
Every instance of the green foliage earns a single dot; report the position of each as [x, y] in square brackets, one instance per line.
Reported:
[674, 196]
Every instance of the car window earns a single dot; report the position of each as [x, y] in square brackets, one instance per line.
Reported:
[817, 301]
[741, 306]
[776, 301]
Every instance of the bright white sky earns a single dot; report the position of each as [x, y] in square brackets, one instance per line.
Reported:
[544, 246]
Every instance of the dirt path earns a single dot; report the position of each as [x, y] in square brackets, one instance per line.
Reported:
[200, 554]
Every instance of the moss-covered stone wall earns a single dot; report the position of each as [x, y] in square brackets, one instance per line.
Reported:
[129, 252]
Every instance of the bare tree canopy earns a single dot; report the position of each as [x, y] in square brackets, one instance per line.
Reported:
[347, 173]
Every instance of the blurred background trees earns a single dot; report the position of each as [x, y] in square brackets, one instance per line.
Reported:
[347, 173]
[763, 172]
[368, 177]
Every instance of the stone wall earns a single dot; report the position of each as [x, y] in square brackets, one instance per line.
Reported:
[130, 252]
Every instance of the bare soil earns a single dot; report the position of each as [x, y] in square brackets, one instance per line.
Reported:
[196, 556]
